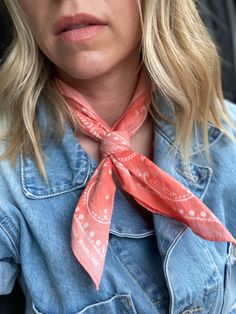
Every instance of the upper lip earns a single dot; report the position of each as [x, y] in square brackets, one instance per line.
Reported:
[65, 22]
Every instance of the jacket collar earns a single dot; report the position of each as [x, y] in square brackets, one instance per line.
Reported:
[167, 130]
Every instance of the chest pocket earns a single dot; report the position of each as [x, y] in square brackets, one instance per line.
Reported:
[117, 304]
[230, 282]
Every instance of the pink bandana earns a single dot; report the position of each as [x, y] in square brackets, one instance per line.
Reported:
[150, 186]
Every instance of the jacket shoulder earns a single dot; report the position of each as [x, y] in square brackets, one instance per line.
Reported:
[231, 108]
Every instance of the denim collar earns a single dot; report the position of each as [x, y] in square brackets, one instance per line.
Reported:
[167, 130]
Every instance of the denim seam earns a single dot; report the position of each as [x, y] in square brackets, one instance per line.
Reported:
[131, 235]
[33, 196]
[8, 234]
[166, 273]
[227, 266]
[216, 289]
[178, 150]
[127, 298]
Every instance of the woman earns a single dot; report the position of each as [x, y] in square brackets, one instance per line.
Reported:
[91, 92]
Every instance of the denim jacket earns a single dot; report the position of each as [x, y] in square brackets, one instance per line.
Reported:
[152, 265]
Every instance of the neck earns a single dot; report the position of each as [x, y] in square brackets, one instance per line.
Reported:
[110, 94]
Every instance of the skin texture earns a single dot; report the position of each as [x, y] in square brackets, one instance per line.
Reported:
[103, 68]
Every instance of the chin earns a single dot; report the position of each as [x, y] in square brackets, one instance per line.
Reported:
[86, 72]
[87, 69]
[86, 75]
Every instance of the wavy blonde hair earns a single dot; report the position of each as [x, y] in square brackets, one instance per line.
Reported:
[179, 58]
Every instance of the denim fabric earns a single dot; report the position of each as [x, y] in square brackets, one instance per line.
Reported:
[154, 264]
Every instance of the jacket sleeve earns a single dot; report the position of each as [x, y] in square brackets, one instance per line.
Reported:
[9, 265]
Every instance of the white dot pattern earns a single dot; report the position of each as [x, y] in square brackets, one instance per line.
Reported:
[91, 234]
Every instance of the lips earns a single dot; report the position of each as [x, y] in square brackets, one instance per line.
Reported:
[78, 21]
[76, 26]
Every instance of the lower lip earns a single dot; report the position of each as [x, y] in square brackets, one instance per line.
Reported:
[81, 34]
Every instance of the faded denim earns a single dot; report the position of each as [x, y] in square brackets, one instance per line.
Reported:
[153, 266]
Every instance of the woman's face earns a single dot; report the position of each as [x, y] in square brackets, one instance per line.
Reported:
[86, 39]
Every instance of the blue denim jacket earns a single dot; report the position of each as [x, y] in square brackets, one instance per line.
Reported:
[154, 264]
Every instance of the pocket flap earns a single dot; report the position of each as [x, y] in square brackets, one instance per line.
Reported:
[115, 305]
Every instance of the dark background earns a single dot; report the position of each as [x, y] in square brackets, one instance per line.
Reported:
[220, 19]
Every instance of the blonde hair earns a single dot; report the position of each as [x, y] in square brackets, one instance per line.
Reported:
[179, 58]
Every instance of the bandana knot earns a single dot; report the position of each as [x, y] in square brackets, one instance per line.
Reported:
[114, 142]
[137, 175]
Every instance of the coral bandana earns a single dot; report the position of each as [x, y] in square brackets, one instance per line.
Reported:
[150, 186]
